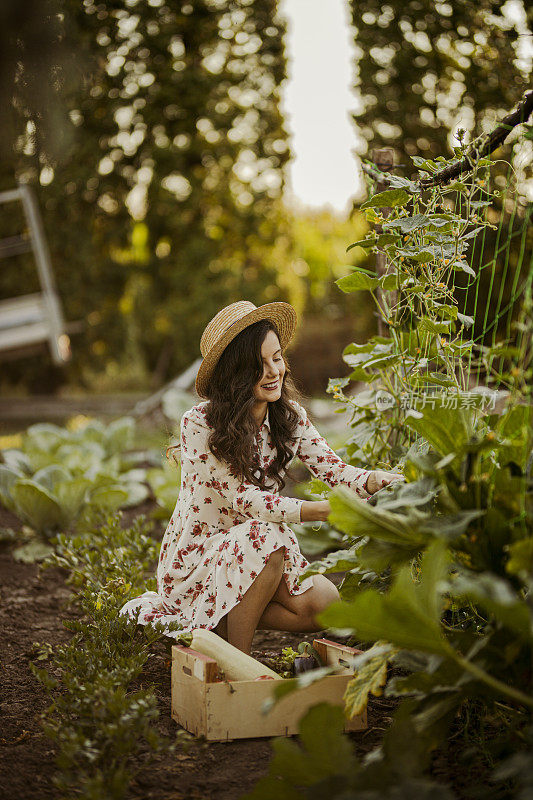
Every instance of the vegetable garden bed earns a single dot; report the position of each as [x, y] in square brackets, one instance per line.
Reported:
[34, 604]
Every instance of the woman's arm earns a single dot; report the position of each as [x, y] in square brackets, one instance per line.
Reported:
[244, 497]
[315, 511]
[324, 463]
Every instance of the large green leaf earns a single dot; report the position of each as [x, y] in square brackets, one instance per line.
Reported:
[175, 402]
[313, 542]
[423, 683]
[51, 475]
[8, 477]
[451, 526]
[137, 493]
[388, 282]
[418, 727]
[446, 429]
[354, 347]
[380, 361]
[93, 431]
[71, 495]
[369, 242]
[418, 221]
[433, 379]
[164, 483]
[136, 475]
[466, 320]
[369, 678]
[387, 199]
[408, 616]
[432, 326]
[401, 496]
[521, 557]
[356, 518]
[378, 555]
[120, 435]
[80, 458]
[17, 461]
[36, 505]
[386, 239]
[357, 282]
[339, 561]
[110, 497]
[325, 752]
[355, 580]
[516, 425]
[34, 550]
[45, 436]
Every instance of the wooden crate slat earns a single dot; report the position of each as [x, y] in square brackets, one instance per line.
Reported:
[194, 663]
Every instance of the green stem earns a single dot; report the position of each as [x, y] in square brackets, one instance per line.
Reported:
[498, 686]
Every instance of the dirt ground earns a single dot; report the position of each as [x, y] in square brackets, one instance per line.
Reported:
[33, 604]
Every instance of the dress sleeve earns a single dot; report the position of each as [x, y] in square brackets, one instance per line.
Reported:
[244, 497]
[324, 463]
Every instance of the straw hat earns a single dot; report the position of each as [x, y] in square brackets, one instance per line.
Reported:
[230, 321]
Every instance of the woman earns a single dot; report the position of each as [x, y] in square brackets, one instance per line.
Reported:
[229, 560]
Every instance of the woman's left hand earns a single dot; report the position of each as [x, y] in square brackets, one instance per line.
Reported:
[379, 478]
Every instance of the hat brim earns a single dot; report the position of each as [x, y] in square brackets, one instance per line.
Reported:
[283, 314]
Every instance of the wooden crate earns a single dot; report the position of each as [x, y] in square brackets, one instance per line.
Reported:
[224, 710]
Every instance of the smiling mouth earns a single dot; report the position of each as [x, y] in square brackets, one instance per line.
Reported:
[270, 386]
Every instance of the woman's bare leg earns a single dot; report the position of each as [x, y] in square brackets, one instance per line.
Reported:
[287, 612]
[222, 627]
[276, 617]
[243, 618]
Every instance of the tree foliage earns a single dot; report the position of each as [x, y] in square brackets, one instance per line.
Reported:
[173, 122]
[428, 68]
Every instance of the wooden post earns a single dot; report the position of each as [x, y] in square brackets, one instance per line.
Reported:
[383, 159]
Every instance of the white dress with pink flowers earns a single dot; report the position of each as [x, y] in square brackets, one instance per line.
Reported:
[222, 531]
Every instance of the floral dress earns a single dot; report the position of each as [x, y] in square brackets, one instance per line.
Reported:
[222, 531]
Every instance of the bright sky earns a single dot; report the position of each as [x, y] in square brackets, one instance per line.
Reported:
[317, 102]
[317, 99]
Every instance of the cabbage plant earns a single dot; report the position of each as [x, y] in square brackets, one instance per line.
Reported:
[57, 474]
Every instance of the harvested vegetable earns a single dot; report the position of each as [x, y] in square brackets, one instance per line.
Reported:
[237, 665]
[305, 664]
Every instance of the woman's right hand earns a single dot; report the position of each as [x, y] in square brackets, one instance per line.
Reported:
[315, 511]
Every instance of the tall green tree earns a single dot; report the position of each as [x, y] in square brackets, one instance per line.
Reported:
[165, 199]
[426, 68]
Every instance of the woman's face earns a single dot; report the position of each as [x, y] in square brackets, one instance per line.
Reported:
[273, 370]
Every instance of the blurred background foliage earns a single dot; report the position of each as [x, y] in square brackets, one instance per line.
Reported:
[424, 70]
[153, 135]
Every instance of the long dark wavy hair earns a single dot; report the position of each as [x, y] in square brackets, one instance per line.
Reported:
[229, 411]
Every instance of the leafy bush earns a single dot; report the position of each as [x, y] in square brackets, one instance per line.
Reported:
[97, 725]
[428, 239]
[439, 569]
[58, 474]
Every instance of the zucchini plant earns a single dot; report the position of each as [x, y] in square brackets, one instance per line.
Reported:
[439, 570]
[428, 239]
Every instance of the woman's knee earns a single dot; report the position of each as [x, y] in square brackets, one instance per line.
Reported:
[324, 593]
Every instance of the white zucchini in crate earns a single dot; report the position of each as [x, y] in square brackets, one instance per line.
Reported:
[237, 665]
